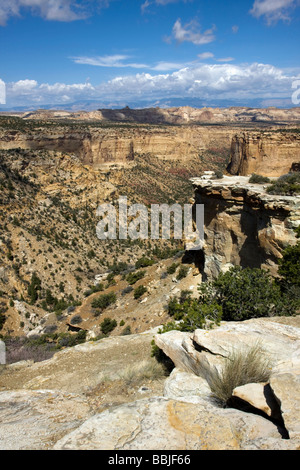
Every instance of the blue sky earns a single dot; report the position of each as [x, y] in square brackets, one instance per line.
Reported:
[60, 51]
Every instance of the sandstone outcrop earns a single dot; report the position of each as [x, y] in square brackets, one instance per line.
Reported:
[243, 224]
[179, 414]
[264, 153]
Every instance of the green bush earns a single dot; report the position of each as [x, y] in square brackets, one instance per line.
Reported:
[139, 291]
[132, 278]
[2, 320]
[172, 268]
[126, 331]
[191, 314]
[108, 325]
[104, 300]
[289, 264]
[33, 288]
[182, 272]
[219, 174]
[144, 262]
[259, 179]
[244, 293]
[288, 185]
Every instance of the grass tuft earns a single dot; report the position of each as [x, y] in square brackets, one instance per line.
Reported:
[240, 368]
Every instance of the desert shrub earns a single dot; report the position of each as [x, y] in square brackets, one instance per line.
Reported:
[190, 314]
[2, 320]
[139, 291]
[127, 290]
[104, 300]
[76, 320]
[144, 262]
[118, 268]
[67, 340]
[97, 288]
[126, 331]
[251, 365]
[289, 264]
[244, 293]
[258, 179]
[108, 325]
[33, 288]
[172, 268]
[287, 185]
[132, 278]
[182, 272]
[218, 174]
[24, 349]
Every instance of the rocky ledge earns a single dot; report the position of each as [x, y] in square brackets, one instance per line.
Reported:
[243, 224]
[183, 416]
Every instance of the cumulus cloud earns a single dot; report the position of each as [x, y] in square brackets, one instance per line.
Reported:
[204, 81]
[190, 32]
[273, 10]
[27, 92]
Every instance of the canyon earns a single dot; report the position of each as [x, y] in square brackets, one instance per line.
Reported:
[56, 167]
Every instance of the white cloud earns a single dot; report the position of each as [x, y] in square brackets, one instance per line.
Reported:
[2, 92]
[206, 55]
[226, 59]
[273, 10]
[148, 3]
[117, 60]
[121, 61]
[204, 81]
[51, 10]
[190, 32]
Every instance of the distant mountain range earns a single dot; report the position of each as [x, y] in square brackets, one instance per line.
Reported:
[91, 105]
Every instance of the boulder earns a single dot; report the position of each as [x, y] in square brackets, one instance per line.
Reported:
[185, 385]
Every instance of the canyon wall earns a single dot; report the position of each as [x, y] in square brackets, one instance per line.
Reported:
[265, 153]
[243, 225]
[119, 144]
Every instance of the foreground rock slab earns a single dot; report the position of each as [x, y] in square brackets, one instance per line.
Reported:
[164, 424]
[35, 420]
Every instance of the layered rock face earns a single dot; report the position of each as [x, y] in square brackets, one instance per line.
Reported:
[243, 225]
[120, 144]
[264, 153]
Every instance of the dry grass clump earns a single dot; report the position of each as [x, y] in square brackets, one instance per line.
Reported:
[240, 368]
[144, 370]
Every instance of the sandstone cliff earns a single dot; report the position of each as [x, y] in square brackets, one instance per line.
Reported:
[264, 153]
[243, 224]
[108, 145]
